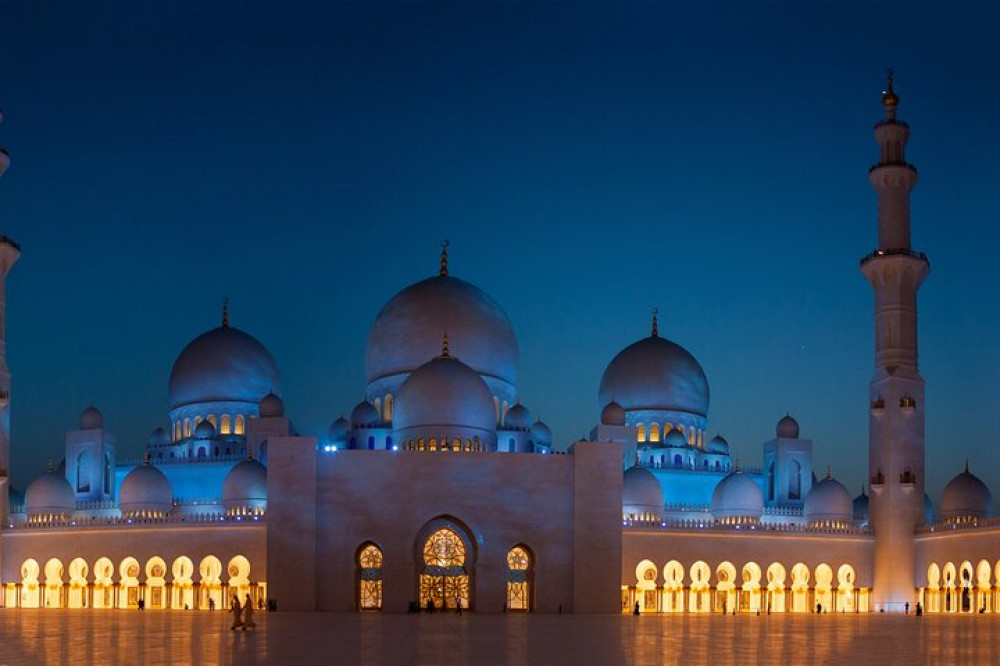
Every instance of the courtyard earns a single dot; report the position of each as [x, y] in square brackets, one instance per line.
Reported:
[80, 637]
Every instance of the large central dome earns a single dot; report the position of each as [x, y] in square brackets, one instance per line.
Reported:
[656, 374]
[222, 365]
[408, 330]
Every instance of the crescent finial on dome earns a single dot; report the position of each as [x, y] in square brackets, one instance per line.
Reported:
[444, 258]
[225, 312]
[656, 329]
[889, 98]
[444, 346]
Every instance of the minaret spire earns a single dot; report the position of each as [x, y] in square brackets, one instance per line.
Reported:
[896, 391]
[656, 329]
[225, 312]
[444, 346]
[443, 272]
[10, 252]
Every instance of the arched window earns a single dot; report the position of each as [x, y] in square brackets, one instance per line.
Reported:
[795, 480]
[387, 407]
[369, 562]
[197, 420]
[678, 460]
[654, 432]
[770, 482]
[420, 444]
[378, 406]
[371, 443]
[226, 426]
[444, 580]
[519, 579]
[433, 446]
[640, 432]
[201, 452]
[83, 472]
[211, 419]
[177, 430]
[187, 427]
[108, 485]
[510, 445]
[239, 424]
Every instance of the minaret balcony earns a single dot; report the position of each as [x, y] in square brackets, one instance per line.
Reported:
[894, 252]
[893, 163]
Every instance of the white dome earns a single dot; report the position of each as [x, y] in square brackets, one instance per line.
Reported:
[787, 427]
[675, 438]
[365, 415]
[860, 508]
[518, 417]
[828, 501]
[145, 489]
[49, 493]
[718, 445]
[222, 365]
[204, 430]
[245, 486]
[613, 414]
[407, 331]
[656, 374]
[641, 492]
[966, 496]
[91, 419]
[271, 406]
[737, 496]
[541, 433]
[445, 393]
[338, 430]
[159, 437]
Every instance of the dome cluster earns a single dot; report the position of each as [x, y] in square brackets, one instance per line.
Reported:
[966, 498]
[829, 504]
[145, 493]
[49, 497]
[737, 499]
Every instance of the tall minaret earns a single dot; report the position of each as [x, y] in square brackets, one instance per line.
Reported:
[896, 391]
[9, 253]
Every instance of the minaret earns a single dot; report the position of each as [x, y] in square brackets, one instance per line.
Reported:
[896, 391]
[9, 253]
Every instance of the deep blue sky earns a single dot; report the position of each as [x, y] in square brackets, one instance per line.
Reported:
[587, 163]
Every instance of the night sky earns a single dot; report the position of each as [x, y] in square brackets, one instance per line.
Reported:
[587, 163]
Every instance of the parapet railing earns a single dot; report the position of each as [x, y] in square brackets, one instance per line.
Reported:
[156, 460]
[959, 525]
[709, 525]
[125, 522]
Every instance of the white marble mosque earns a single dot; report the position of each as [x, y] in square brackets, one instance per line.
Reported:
[478, 507]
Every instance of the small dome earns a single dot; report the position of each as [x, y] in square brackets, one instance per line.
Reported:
[204, 430]
[737, 496]
[271, 406]
[338, 430]
[222, 365]
[445, 392]
[518, 417]
[613, 414]
[860, 508]
[675, 438]
[788, 428]
[364, 415]
[966, 496]
[641, 492]
[245, 486]
[49, 493]
[828, 501]
[541, 433]
[656, 374]
[718, 445]
[91, 419]
[159, 437]
[145, 490]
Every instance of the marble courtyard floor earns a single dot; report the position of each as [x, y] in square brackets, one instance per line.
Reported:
[78, 637]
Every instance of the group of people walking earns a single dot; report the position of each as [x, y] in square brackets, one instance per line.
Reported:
[242, 615]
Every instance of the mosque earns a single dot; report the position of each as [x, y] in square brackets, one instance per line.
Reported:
[477, 507]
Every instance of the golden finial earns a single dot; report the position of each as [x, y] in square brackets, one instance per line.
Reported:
[656, 330]
[145, 459]
[444, 258]
[225, 312]
[828, 471]
[889, 98]
[444, 346]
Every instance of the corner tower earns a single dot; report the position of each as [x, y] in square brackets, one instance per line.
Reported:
[896, 391]
[9, 254]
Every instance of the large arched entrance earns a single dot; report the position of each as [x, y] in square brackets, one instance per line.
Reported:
[446, 560]
[519, 578]
[369, 576]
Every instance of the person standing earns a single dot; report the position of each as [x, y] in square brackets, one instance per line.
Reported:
[237, 612]
[248, 622]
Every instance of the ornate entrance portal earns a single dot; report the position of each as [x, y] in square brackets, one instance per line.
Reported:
[444, 580]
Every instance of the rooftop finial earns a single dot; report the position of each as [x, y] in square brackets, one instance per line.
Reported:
[736, 467]
[656, 330]
[145, 459]
[225, 312]
[889, 98]
[444, 258]
[966, 465]
[444, 346]
[828, 475]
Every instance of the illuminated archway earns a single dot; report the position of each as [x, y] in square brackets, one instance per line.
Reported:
[182, 583]
[932, 596]
[984, 600]
[673, 587]
[966, 592]
[54, 583]
[104, 571]
[128, 583]
[369, 576]
[700, 595]
[750, 589]
[445, 580]
[824, 588]
[646, 575]
[156, 583]
[30, 592]
[949, 592]
[775, 588]
[210, 584]
[846, 596]
[77, 596]
[239, 578]
[725, 588]
[520, 578]
[800, 588]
